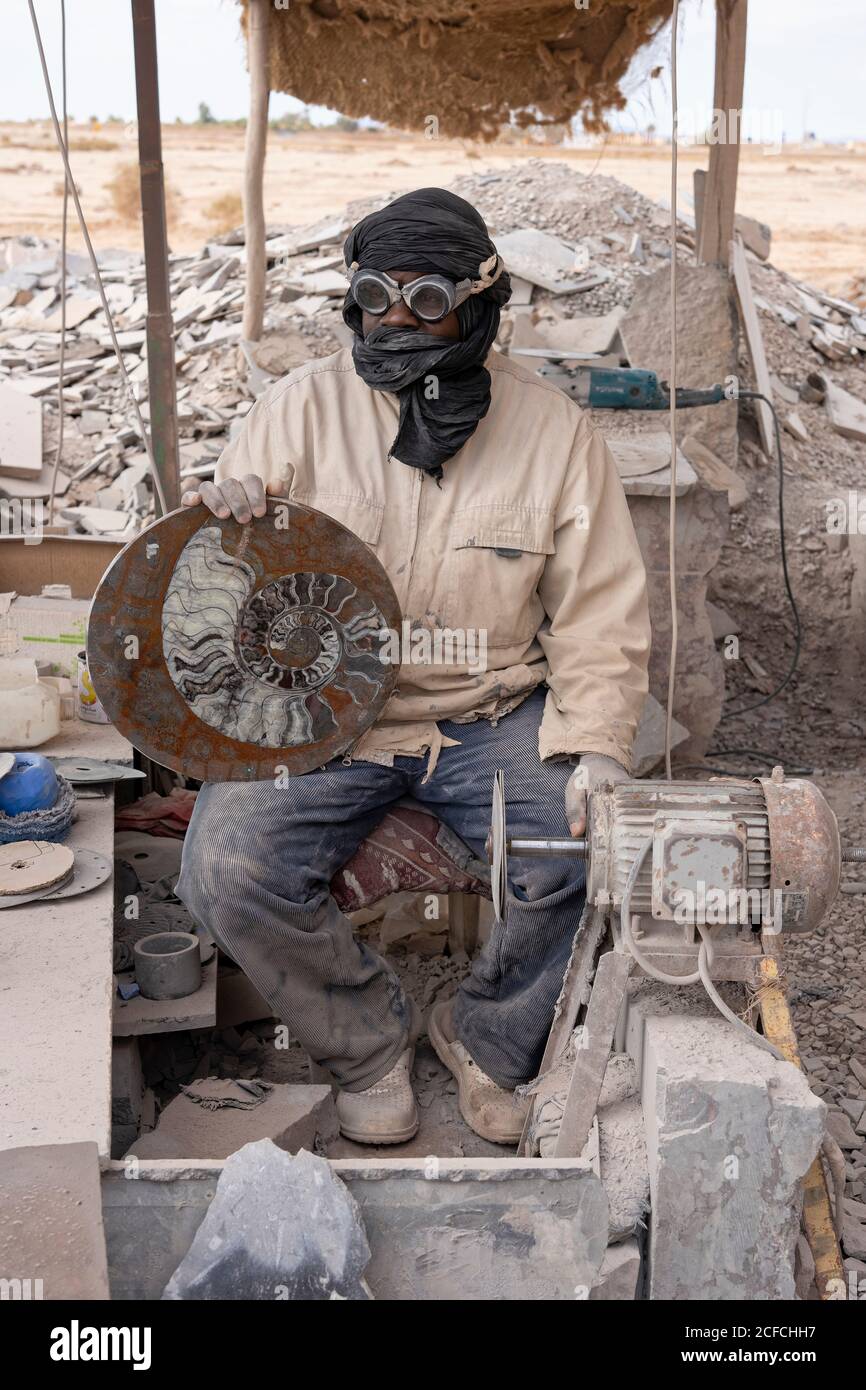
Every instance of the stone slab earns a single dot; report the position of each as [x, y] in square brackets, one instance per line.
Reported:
[731, 1132]
[138, 1015]
[52, 1229]
[619, 1276]
[293, 1117]
[706, 343]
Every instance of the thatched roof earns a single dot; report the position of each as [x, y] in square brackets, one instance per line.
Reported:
[471, 64]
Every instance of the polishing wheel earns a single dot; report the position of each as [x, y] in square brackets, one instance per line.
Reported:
[30, 865]
[233, 652]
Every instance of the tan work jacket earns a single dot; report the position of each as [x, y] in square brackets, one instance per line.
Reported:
[528, 544]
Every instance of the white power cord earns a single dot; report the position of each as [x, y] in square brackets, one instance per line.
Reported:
[625, 921]
[70, 187]
[705, 957]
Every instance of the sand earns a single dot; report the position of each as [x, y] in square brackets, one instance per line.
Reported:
[814, 200]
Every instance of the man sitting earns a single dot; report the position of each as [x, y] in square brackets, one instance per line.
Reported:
[497, 512]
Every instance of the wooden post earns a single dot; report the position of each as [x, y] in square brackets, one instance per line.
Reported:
[162, 388]
[717, 222]
[258, 62]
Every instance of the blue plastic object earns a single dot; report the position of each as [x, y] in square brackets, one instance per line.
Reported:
[31, 785]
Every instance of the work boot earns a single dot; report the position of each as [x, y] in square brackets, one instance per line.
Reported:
[494, 1113]
[385, 1112]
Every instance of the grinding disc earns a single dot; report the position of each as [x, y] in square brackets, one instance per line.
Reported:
[89, 870]
[499, 854]
[80, 770]
[231, 652]
[30, 865]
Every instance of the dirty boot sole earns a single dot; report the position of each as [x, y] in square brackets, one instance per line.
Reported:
[391, 1137]
[494, 1133]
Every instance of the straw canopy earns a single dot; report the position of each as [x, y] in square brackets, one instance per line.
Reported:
[460, 67]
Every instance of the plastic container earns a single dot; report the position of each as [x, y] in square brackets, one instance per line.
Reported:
[89, 705]
[30, 786]
[29, 708]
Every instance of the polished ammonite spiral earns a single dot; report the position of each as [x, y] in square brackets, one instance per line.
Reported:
[251, 661]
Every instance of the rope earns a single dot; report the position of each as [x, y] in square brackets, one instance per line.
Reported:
[64, 226]
[70, 187]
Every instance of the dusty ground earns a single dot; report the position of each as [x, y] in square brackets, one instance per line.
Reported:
[815, 201]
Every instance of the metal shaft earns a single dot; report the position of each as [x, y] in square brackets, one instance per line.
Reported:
[528, 849]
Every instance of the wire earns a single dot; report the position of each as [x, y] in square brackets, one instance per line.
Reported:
[625, 923]
[672, 512]
[70, 184]
[761, 756]
[753, 1036]
[795, 660]
[772, 758]
[64, 225]
[705, 957]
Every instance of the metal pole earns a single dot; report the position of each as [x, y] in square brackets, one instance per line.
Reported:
[160, 330]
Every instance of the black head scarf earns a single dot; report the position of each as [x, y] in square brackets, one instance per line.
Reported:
[430, 231]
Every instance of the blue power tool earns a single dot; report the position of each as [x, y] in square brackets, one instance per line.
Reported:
[624, 388]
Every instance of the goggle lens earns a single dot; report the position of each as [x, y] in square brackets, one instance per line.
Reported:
[429, 302]
[372, 297]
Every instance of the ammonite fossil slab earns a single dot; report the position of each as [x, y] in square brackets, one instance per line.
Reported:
[230, 652]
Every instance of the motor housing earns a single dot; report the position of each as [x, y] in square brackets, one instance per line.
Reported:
[762, 854]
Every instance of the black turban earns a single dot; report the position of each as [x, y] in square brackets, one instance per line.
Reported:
[434, 232]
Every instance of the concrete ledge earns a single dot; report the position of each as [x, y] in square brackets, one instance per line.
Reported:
[55, 1006]
[439, 1228]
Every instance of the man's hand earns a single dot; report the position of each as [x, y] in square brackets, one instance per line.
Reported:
[241, 498]
[593, 769]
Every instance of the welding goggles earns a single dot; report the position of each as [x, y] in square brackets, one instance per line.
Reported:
[430, 298]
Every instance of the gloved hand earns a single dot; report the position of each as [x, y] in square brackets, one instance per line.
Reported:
[592, 769]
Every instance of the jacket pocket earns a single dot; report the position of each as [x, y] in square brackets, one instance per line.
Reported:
[360, 514]
[497, 557]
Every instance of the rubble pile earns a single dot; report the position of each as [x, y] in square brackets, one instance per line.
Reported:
[599, 236]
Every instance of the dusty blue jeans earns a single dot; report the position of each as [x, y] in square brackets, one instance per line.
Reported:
[257, 865]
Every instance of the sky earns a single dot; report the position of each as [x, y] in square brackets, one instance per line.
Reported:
[806, 65]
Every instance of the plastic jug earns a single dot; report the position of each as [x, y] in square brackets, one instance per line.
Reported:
[29, 707]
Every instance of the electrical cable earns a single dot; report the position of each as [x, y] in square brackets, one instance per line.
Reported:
[70, 184]
[64, 227]
[771, 758]
[625, 923]
[795, 613]
[672, 510]
[762, 756]
[704, 957]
